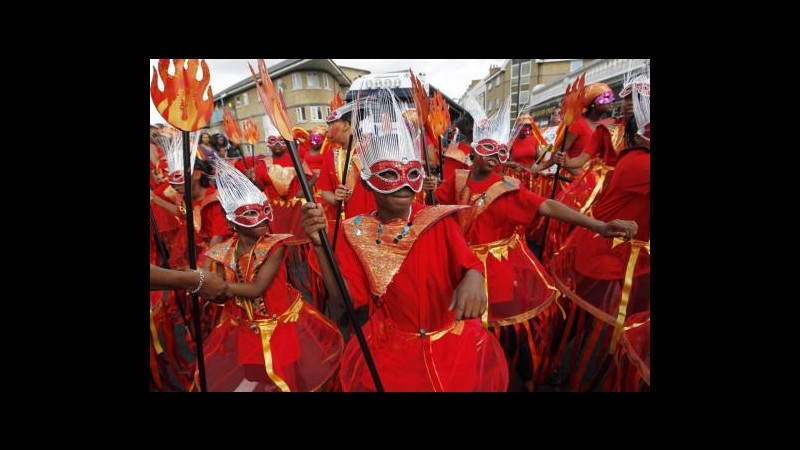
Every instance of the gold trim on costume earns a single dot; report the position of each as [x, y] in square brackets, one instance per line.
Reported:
[382, 261]
[636, 246]
[479, 201]
[154, 334]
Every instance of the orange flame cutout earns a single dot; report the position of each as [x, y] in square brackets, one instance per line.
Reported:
[439, 116]
[420, 99]
[300, 134]
[336, 102]
[571, 108]
[181, 102]
[231, 126]
[269, 98]
[251, 134]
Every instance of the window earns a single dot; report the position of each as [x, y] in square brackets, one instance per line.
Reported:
[242, 100]
[326, 81]
[526, 69]
[523, 98]
[327, 111]
[313, 80]
[497, 81]
[316, 114]
[514, 71]
[489, 87]
[301, 114]
[575, 65]
[497, 103]
[297, 81]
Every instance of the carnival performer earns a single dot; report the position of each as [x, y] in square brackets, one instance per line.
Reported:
[410, 264]
[522, 311]
[357, 200]
[268, 338]
[598, 101]
[607, 280]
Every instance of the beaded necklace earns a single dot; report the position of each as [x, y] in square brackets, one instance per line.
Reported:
[400, 235]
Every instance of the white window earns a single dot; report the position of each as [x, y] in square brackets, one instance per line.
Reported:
[497, 81]
[313, 80]
[327, 111]
[523, 98]
[526, 69]
[242, 100]
[575, 65]
[489, 88]
[301, 114]
[316, 114]
[326, 80]
[297, 81]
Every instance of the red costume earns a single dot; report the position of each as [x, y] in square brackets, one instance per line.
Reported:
[360, 202]
[521, 294]
[273, 343]
[456, 157]
[415, 341]
[608, 279]
[633, 356]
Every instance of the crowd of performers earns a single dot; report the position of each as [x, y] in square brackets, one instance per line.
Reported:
[498, 259]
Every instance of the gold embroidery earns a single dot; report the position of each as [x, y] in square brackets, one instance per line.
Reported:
[381, 262]
[480, 201]
[281, 177]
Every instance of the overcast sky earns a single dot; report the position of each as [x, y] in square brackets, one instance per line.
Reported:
[451, 76]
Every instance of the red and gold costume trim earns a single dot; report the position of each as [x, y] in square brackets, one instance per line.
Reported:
[381, 262]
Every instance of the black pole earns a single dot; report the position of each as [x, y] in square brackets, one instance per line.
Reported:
[187, 198]
[335, 268]
[344, 182]
[556, 177]
[441, 156]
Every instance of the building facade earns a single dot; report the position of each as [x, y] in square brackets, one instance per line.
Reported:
[520, 78]
[307, 86]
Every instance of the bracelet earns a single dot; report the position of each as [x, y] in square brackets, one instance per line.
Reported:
[200, 284]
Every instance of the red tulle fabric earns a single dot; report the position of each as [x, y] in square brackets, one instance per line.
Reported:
[633, 354]
[304, 346]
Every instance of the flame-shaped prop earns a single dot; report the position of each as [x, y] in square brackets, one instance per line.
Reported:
[422, 104]
[182, 105]
[251, 134]
[420, 100]
[269, 98]
[336, 102]
[231, 126]
[571, 108]
[439, 115]
[181, 102]
[300, 134]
